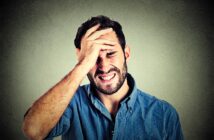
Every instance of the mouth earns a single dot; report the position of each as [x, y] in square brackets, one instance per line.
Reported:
[106, 77]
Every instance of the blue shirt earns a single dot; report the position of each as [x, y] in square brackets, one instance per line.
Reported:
[139, 117]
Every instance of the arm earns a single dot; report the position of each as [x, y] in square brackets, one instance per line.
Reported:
[47, 110]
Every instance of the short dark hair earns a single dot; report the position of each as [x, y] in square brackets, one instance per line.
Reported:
[105, 22]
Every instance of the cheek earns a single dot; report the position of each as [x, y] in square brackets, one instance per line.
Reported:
[117, 61]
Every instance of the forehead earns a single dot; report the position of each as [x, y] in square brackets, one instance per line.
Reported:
[110, 36]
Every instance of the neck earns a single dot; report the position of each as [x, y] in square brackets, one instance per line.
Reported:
[111, 102]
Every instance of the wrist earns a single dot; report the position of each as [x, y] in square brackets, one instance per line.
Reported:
[83, 67]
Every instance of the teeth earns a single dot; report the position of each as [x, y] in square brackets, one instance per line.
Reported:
[107, 77]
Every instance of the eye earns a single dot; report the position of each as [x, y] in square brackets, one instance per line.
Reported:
[111, 54]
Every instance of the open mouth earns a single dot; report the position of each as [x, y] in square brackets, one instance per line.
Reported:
[106, 77]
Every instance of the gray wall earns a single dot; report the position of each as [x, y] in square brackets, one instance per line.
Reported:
[171, 54]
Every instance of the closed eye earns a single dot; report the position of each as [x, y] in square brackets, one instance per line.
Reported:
[110, 54]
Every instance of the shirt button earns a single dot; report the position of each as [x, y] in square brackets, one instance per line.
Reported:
[112, 132]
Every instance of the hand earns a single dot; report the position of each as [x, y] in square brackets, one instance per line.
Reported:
[92, 44]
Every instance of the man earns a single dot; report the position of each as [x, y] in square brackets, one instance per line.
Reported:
[111, 106]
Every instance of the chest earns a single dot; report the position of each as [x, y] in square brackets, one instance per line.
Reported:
[93, 123]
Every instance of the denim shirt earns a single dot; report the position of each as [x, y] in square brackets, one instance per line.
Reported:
[139, 117]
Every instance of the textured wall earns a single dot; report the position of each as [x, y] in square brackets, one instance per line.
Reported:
[171, 54]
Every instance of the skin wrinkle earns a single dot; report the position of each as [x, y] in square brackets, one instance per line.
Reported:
[121, 73]
[112, 68]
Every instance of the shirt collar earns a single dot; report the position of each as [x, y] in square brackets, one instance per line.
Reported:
[129, 100]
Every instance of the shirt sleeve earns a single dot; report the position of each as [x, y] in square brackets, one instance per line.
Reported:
[173, 129]
[62, 126]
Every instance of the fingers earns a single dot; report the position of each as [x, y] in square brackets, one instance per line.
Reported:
[99, 33]
[102, 47]
[93, 34]
[105, 42]
[92, 42]
[91, 30]
[91, 45]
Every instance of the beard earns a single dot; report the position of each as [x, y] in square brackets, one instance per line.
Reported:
[122, 74]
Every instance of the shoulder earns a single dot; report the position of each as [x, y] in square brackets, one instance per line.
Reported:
[150, 102]
[161, 113]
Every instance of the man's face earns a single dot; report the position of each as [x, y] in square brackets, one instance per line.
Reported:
[109, 73]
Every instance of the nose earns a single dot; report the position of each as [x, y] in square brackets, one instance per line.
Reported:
[103, 63]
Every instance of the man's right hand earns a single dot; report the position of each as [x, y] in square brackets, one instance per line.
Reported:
[91, 45]
[47, 110]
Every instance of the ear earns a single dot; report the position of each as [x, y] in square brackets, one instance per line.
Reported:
[127, 53]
